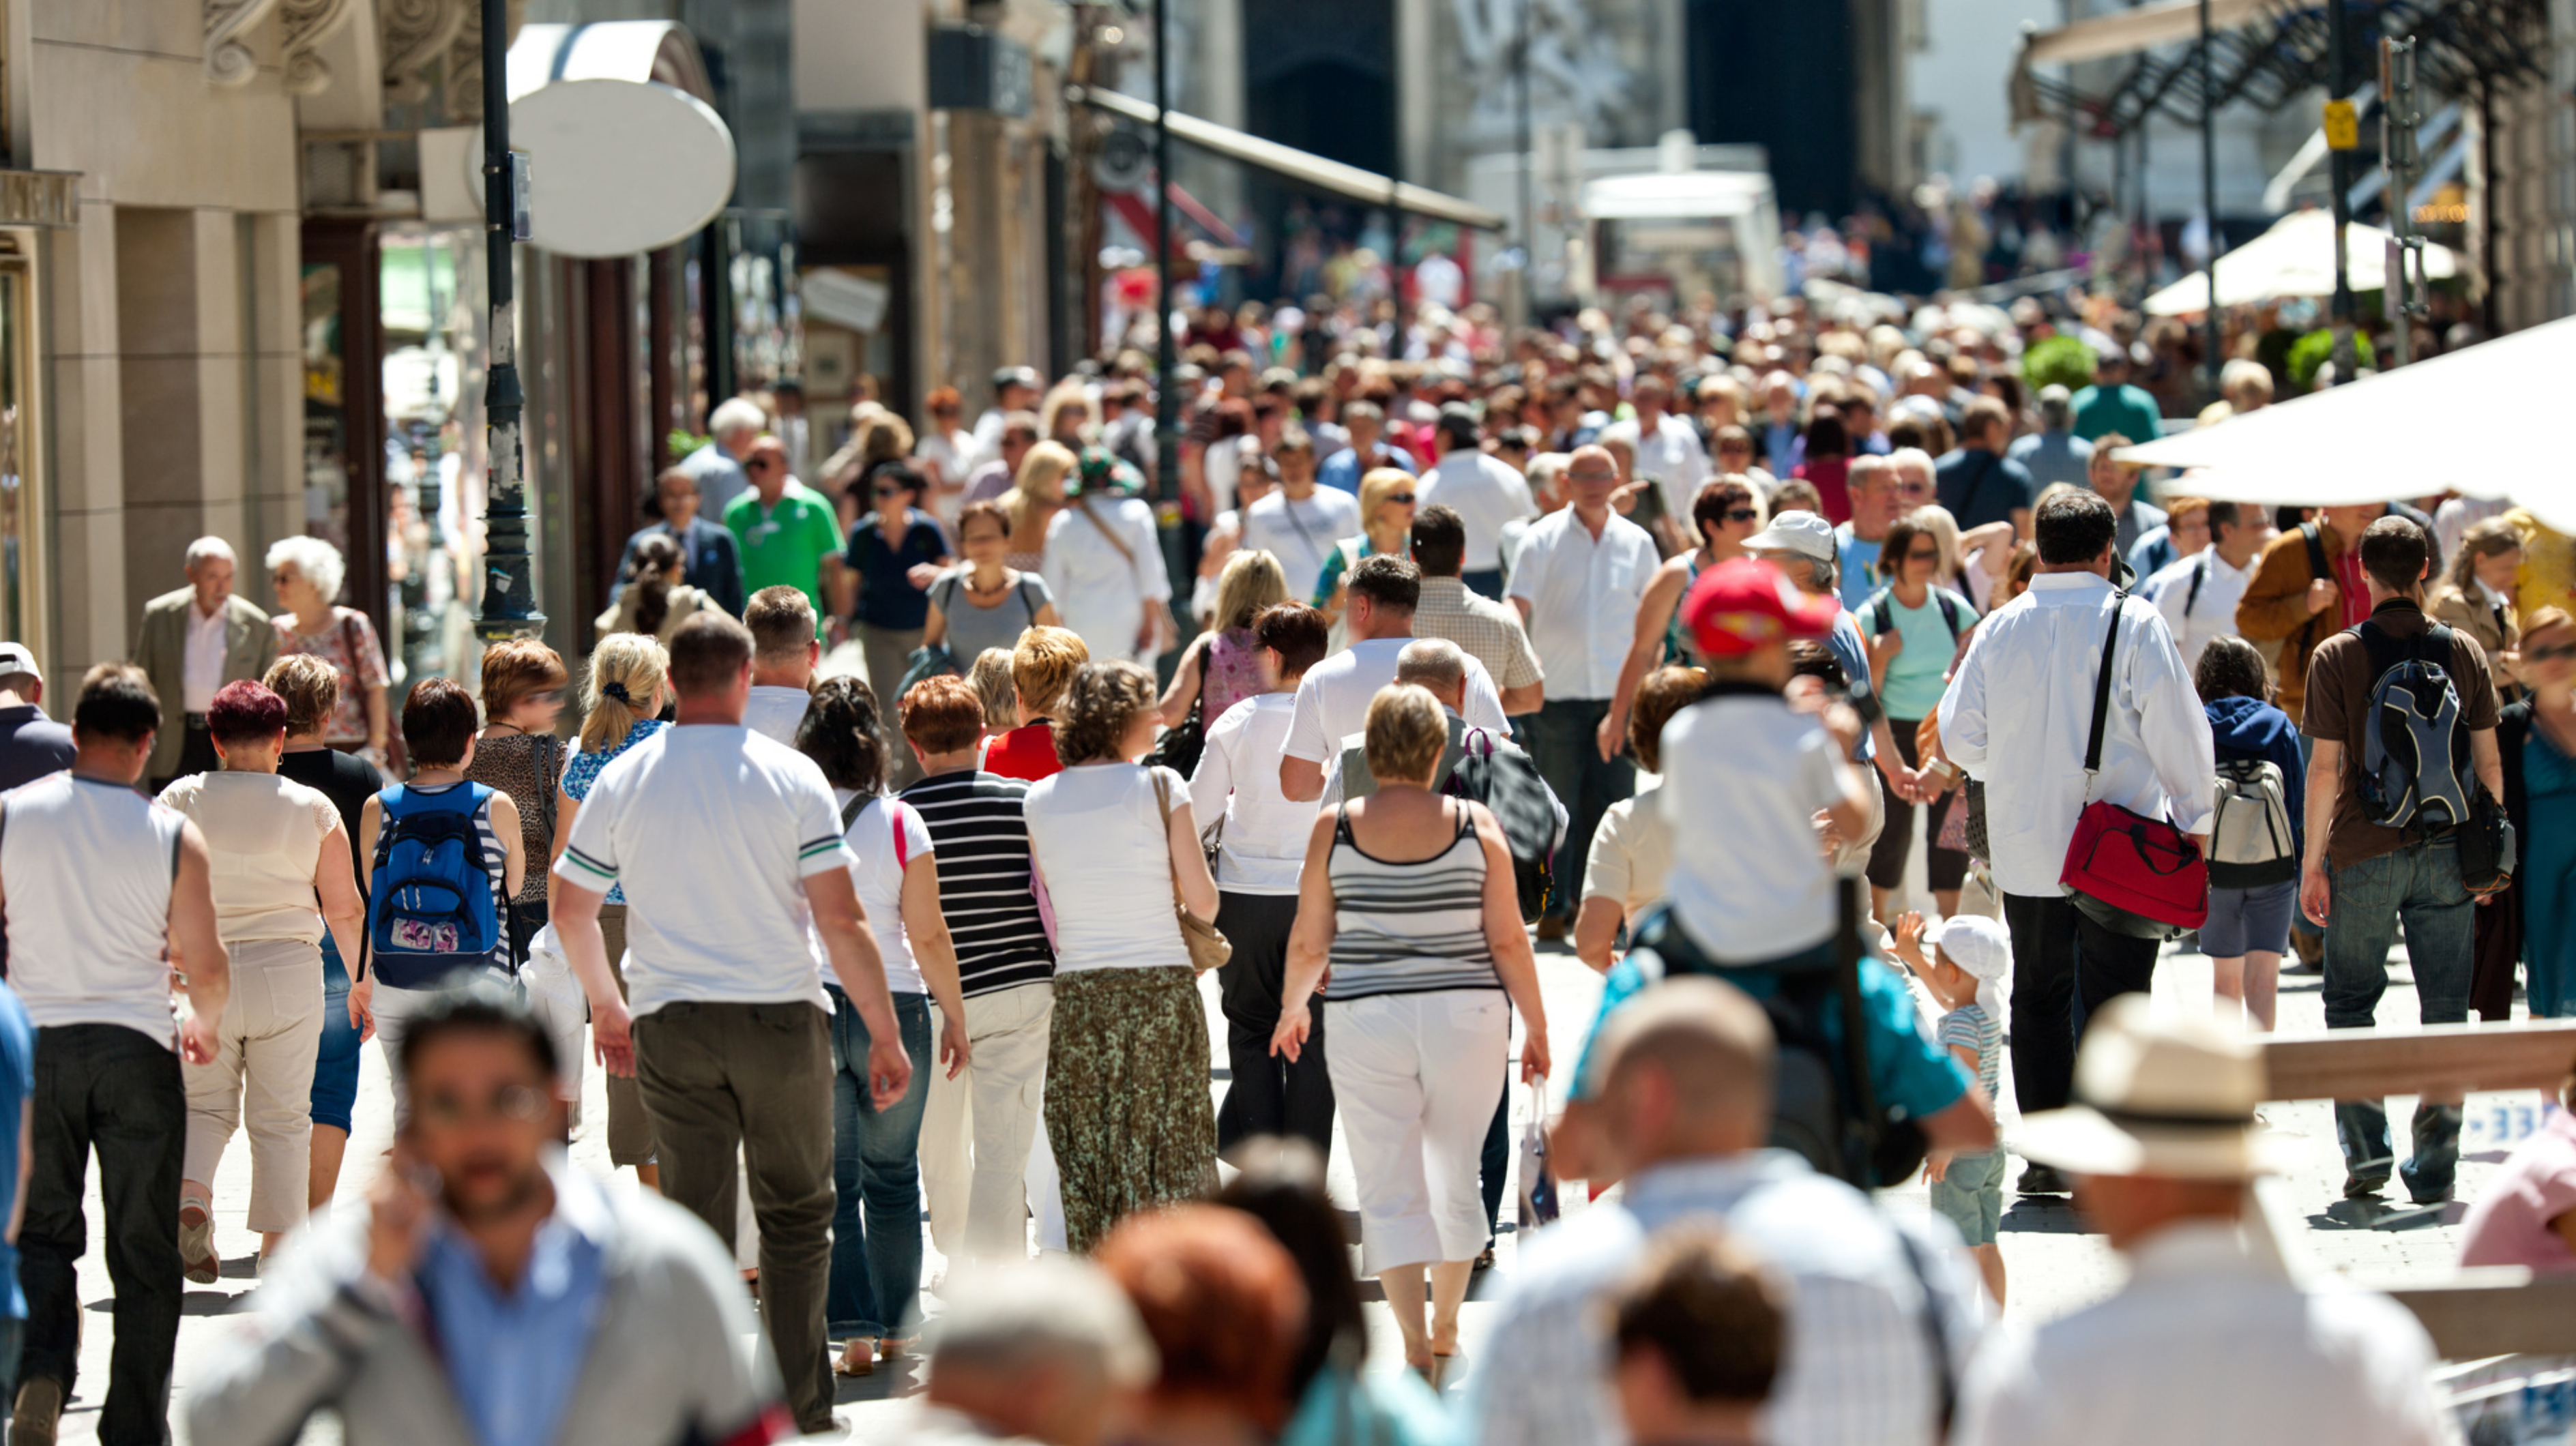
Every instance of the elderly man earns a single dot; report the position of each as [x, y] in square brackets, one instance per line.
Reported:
[2053, 454]
[2210, 1341]
[1488, 631]
[1885, 1314]
[193, 641]
[717, 466]
[707, 556]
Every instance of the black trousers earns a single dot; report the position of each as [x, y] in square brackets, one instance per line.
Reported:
[2059, 955]
[112, 1089]
[196, 753]
[1268, 1096]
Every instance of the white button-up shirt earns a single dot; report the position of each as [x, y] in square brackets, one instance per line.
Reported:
[2021, 706]
[1485, 493]
[2212, 1344]
[1673, 456]
[1857, 1368]
[1583, 594]
[201, 666]
[2193, 621]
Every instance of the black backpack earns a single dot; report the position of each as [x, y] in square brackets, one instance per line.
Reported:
[1881, 606]
[1508, 784]
[1824, 1107]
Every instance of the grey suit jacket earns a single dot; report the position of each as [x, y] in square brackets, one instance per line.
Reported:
[161, 651]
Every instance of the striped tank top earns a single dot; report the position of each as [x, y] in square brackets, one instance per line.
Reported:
[1408, 928]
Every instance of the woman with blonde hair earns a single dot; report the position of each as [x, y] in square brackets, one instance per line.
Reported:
[2477, 597]
[1222, 666]
[1036, 496]
[1065, 416]
[1386, 526]
[620, 698]
[1407, 895]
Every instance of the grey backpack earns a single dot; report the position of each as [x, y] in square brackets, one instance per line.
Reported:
[2415, 753]
[2250, 843]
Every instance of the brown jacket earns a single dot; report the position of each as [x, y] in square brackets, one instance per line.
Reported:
[2497, 630]
[2274, 608]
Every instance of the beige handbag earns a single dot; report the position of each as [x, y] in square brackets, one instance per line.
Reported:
[1207, 947]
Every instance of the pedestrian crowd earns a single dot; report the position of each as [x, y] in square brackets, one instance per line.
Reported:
[1687, 651]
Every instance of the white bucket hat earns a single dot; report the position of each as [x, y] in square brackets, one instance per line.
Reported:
[2156, 1098]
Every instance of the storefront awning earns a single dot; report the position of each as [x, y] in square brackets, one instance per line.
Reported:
[1289, 163]
[2126, 32]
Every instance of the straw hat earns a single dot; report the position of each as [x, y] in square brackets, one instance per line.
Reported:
[2156, 1098]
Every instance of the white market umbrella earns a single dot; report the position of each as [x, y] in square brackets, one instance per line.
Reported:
[2458, 422]
[2295, 258]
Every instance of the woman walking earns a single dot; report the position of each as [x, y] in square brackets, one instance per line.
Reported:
[1262, 846]
[874, 1293]
[1408, 897]
[1724, 513]
[2248, 928]
[281, 878]
[652, 599]
[987, 603]
[2537, 736]
[1127, 1112]
[310, 688]
[518, 753]
[2477, 597]
[1386, 521]
[1914, 626]
[620, 701]
[1037, 494]
[895, 550]
[305, 573]
[1222, 666]
[1104, 562]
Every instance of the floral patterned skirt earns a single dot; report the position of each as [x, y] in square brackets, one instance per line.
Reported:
[1128, 1113]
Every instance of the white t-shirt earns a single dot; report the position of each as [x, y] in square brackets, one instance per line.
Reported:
[1485, 493]
[1743, 780]
[1100, 591]
[1332, 702]
[713, 831]
[1264, 846]
[1098, 833]
[1301, 535]
[774, 712]
[878, 877]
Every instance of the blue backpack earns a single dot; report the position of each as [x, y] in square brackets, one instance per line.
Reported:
[431, 890]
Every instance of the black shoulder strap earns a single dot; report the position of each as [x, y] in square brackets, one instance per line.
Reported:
[1949, 611]
[2199, 575]
[850, 811]
[2318, 565]
[2102, 686]
[1880, 606]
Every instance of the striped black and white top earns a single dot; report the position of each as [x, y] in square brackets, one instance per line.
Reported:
[980, 835]
[1408, 928]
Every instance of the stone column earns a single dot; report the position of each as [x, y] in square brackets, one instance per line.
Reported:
[85, 437]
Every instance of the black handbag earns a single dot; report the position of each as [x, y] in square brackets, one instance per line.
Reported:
[1180, 746]
[2487, 845]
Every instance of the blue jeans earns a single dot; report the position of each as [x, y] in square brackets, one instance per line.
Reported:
[876, 1178]
[2420, 884]
[335, 1063]
[1560, 737]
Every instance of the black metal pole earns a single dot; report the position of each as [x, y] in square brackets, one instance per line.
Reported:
[2339, 87]
[1167, 402]
[2216, 237]
[1521, 138]
[509, 598]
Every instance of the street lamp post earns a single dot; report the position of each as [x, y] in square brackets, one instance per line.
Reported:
[2215, 238]
[509, 600]
[1167, 402]
[2339, 157]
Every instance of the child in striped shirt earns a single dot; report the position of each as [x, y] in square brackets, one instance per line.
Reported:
[1971, 955]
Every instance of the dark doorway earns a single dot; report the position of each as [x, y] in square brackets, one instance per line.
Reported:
[1781, 77]
[1320, 75]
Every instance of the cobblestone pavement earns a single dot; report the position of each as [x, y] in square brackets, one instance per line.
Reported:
[2053, 1266]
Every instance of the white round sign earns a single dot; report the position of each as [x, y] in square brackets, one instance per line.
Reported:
[618, 166]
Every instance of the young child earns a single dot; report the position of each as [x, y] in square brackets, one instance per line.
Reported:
[1970, 956]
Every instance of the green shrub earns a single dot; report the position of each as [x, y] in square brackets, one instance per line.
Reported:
[2062, 361]
[2313, 350]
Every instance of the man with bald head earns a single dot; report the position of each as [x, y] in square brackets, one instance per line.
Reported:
[1684, 1111]
[1580, 577]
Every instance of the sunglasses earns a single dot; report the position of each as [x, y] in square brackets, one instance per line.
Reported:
[1741, 514]
[759, 464]
[2559, 653]
[885, 492]
[1404, 497]
[516, 1103]
[1932, 556]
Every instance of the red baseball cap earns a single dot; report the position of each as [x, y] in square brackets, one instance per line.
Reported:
[1743, 603]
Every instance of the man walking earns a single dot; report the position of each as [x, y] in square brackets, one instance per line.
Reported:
[2307, 588]
[784, 654]
[2362, 876]
[1299, 523]
[787, 534]
[1343, 470]
[1333, 698]
[2053, 454]
[2111, 413]
[2198, 594]
[31, 744]
[1484, 629]
[2116, 482]
[2210, 1341]
[1482, 491]
[193, 641]
[2018, 716]
[1980, 483]
[1582, 573]
[717, 467]
[707, 556]
[729, 847]
[1667, 450]
[1874, 507]
[107, 896]
[512, 1300]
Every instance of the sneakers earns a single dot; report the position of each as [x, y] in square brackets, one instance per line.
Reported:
[197, 1258]
[39, 1412]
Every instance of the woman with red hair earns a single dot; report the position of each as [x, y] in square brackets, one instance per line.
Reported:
[283, 874]
[1227, 1311]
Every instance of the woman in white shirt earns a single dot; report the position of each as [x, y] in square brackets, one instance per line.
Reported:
[875, 1285]
[1104, 562]
[1127, 1112]
[1261, 848]
[281, 874]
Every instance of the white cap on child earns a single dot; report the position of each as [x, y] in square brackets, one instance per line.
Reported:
[1981, 948]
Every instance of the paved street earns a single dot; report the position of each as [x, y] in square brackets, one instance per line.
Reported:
[2053, 1267]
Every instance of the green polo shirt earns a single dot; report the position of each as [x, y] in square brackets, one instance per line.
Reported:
[785, 544]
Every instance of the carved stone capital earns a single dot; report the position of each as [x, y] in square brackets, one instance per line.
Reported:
[229, 61]
[415, 34]
[308, 24]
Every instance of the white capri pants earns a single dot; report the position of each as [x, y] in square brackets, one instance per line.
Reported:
[394, 1009]
[1416, 1078]
[976, 1129]
[270, 1033]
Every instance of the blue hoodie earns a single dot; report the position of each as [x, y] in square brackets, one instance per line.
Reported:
[2251, 728]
